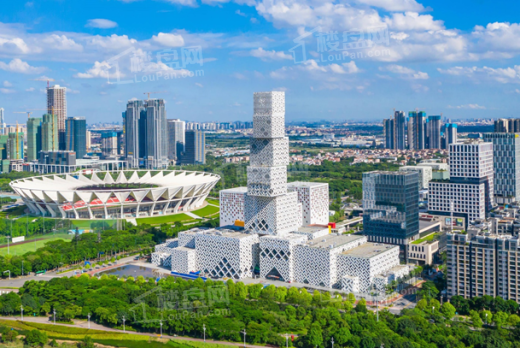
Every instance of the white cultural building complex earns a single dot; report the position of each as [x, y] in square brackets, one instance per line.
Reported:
[279, 230]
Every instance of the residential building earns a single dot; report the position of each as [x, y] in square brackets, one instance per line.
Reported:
[391, 206]
[194, 148]
[434, 132]
[109, 146]
[34, 138]
[483, 264]
[176, 139]
[15, 144]
[388, 125]
[412, 119]
[399, 130]
[49, 137]
[501, 125]
[88, 140]
[75, 136]
[506, 165]
[2, 121]
[451, 134]
[425, 174]
[57, 105]
[420, 131]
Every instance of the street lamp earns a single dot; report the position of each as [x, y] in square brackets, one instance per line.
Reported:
[332, 341]
[21, 309]
[433, 309]
[244, 332]
[287, 340]
[22, 268]
[54, 312]
[124, 328]
[204, 328]
[88, 316]
[160, 323]
[9, 273]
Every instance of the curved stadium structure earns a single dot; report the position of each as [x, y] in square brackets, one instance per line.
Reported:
[121, 194]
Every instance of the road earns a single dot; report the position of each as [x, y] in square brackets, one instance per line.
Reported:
[85, 325]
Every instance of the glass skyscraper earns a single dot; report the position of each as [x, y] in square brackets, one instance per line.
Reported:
[391, 206]
[34, 138]
[76, 136]
[194, 150]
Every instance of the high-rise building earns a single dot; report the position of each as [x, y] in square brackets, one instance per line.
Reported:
[15, 146]
[506, 164]
[412, 118]
[433, 127]
[49, 135]
[109, 146]
[514, 125]
[194, 148]
[34, 138]
[57, 105]
[270, 209]
[388, 125]
[2, 121]
[470, 189]
[501, 125]
[391, 206]
[176, 131]
[420, 131]
[75, 136]
[399, 130]
[88, 140]
[479, 265]
[146, 142]
[451, 134]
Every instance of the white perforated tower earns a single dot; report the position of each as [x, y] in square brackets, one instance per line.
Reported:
[269, 208]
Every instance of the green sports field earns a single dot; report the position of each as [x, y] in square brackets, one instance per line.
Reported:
[213, 201]
[167, 219]
[20, 249]
[207, 210]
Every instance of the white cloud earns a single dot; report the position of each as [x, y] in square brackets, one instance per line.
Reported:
[502, 75]
[394, 5]
[198, 84]
[14, 45]
[239, 76]
[412, 21]
[99, 70]
[168, 40]
[30, 89]
[61, 42]
[7, 84]
[43, 78]
[468, 106]
[269, 55]
[6, 90]
[19, 66]
[405, 72]
[101, 23]
[240, 13]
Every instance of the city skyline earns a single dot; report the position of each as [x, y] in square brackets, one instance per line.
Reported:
[431, 58]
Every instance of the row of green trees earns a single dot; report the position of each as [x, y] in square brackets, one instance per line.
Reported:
[265, 313]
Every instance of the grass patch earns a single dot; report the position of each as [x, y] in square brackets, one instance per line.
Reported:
[20, 249]
[207, 210]
[166, 219]
[12, 212]
[428, 238]
[86, 224]
[213, 201]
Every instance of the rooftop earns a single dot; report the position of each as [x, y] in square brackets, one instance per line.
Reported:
[333, 240]
[242, 189]
[306, 184]
[369, 250]
[312, 228]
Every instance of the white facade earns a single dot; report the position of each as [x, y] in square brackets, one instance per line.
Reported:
[425, 174]
[277, 255]
[467, 199]
[232, 205]
[314, 198]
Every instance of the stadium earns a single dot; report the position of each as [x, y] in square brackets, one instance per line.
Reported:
[112, 195]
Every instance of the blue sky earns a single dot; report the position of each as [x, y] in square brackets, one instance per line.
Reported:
[459, 58]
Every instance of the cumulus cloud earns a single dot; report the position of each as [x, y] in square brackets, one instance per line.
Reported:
[168, 40]
[7, 84]
[394, 5]
[19, 66]
[101, 23]
[269, 55]
[412, 21]
[6, 90]
[405, 72]
[99, 70]
[502, 75]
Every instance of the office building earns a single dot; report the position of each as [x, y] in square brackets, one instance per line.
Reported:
[483, 264]
[391, 206]
[146, 141]
[513, 125]
[49, 131]
[314, 198]
[506, 165]
[65, 158]
[425, 174]
[388, 126]
[88, 140]
[450, 134]
[412, 119]
[34, 138]
[399, 130]
[57, 105]
[470, 189]
[75, 136]
[420, 131]
[501, 125]
[109, 147]
[194, 148]
[176, 133]
[433, 127]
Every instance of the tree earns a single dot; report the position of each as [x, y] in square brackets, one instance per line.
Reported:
[487, 317]
[361, 306]
[35, 338]
[513, 320]
[422, 304]
[87, 342]
[448, 310]
[351, 298]
[428, 290]
[500, 318]
[315, 335]
[342, 336]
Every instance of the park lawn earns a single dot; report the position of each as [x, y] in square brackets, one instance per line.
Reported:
[213, 201]
[166, 219]
[20, 249]
[86, 224]
[207, 210]
[428, 238]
